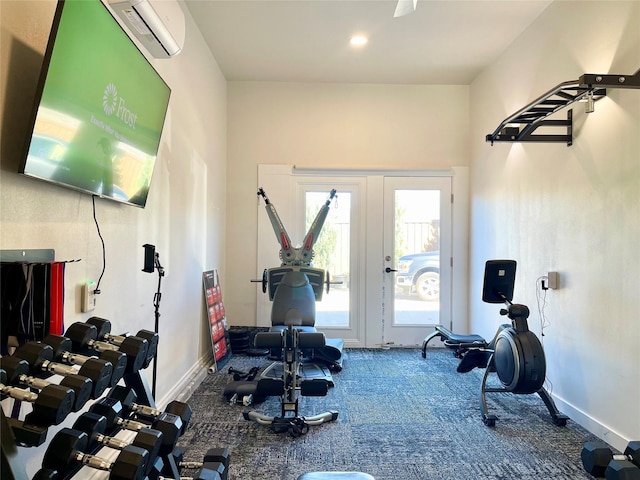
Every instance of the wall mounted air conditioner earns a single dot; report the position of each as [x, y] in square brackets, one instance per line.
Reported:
[159, 25]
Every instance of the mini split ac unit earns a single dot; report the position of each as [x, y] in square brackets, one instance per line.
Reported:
[159, 25]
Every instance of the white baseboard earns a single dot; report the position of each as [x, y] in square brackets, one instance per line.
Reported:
[184, 388]
[591, 424]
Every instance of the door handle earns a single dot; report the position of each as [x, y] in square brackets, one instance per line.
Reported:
[389, 270]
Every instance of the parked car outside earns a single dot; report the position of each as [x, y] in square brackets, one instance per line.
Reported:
[420, 273]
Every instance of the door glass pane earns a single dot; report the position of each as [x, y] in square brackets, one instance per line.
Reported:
[417, 257]
[332, 253]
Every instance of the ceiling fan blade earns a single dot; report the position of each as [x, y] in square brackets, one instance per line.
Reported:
[404, 7]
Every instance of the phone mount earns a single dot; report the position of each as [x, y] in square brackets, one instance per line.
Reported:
[151, 264]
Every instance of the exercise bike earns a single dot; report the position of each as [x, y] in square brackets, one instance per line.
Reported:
[515, 354]
[304, 357]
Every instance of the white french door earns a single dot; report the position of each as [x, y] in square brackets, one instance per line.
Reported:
[375, 221]
[337, 251]
[417, 257]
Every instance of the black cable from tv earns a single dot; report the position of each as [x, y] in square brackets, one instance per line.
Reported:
[104, 252]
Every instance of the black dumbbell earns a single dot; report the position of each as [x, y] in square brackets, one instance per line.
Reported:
[112, 360]
[218, 460]
[104, 334]
[114, 412]
[84, 339]
[50, 406]
[17, 374]
[207, 472]
[46, 474]
[95, 426]
[598, 460]
[39, 356]
[67, 450]
[128, 398]
[27, 435]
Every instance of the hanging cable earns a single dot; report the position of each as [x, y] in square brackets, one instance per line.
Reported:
[541, 299]
[104, 253]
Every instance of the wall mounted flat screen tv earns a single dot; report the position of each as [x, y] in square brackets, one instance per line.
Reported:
[100, 108]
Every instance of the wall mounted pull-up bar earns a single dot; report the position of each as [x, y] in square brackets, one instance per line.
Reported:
[590, 87]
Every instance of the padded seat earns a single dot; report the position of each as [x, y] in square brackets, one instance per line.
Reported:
[335, 476]
[457, 339]
[302, 328]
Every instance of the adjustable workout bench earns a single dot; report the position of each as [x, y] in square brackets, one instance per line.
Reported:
[290, 341]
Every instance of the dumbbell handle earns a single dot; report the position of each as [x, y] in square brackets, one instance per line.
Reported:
[131, 424]
[33, 381]
[93, 461]
[621, 456]
[190, 464]
[179, 478]
[111, 442]
[58, 368]
[117, 339]
[145, 410]
[102, 346]
[18, 393]
[74, 358]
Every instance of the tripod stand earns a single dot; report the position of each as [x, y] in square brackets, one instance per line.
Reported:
[152, 263]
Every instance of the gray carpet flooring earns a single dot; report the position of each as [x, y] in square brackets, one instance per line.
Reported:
[401, 417]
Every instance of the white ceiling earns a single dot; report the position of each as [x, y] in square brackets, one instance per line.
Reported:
[444, 42]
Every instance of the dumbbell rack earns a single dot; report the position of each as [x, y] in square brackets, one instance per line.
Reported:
[13, 466]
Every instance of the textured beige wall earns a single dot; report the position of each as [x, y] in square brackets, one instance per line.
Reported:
[574, 210]
[328, 125]
[185, 213]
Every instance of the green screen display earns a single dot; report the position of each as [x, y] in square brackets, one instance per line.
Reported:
[102, 108]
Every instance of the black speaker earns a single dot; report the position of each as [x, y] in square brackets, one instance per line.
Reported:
[149, 258]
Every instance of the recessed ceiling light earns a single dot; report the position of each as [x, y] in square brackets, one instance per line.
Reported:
[358, 40]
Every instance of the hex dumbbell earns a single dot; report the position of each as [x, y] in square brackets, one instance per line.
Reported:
[84, 339]
[27, 435]
[17, 374]
[112, 360]
[169, 424]
[104, 334]
[95, 426]
[599, 460]
[206, 472]
[50, 406]
[128, 398]
[217, 459]
[68, 449]
[40, 358]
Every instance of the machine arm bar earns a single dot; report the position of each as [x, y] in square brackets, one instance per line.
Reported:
[314, 231]
[276, 223]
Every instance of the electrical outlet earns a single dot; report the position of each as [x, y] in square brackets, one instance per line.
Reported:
[554, 280]
[88, 297]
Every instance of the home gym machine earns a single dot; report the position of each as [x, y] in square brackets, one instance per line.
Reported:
[304, 355]
[515, 354]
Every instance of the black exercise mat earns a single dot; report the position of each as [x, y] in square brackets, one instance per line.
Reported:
[401, 417]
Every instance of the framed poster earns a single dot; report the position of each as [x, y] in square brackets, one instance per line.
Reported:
[216, 316]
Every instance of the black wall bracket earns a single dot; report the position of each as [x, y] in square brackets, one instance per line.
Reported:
[522, 125]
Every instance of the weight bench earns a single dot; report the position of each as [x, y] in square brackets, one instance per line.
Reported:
[290, 341]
